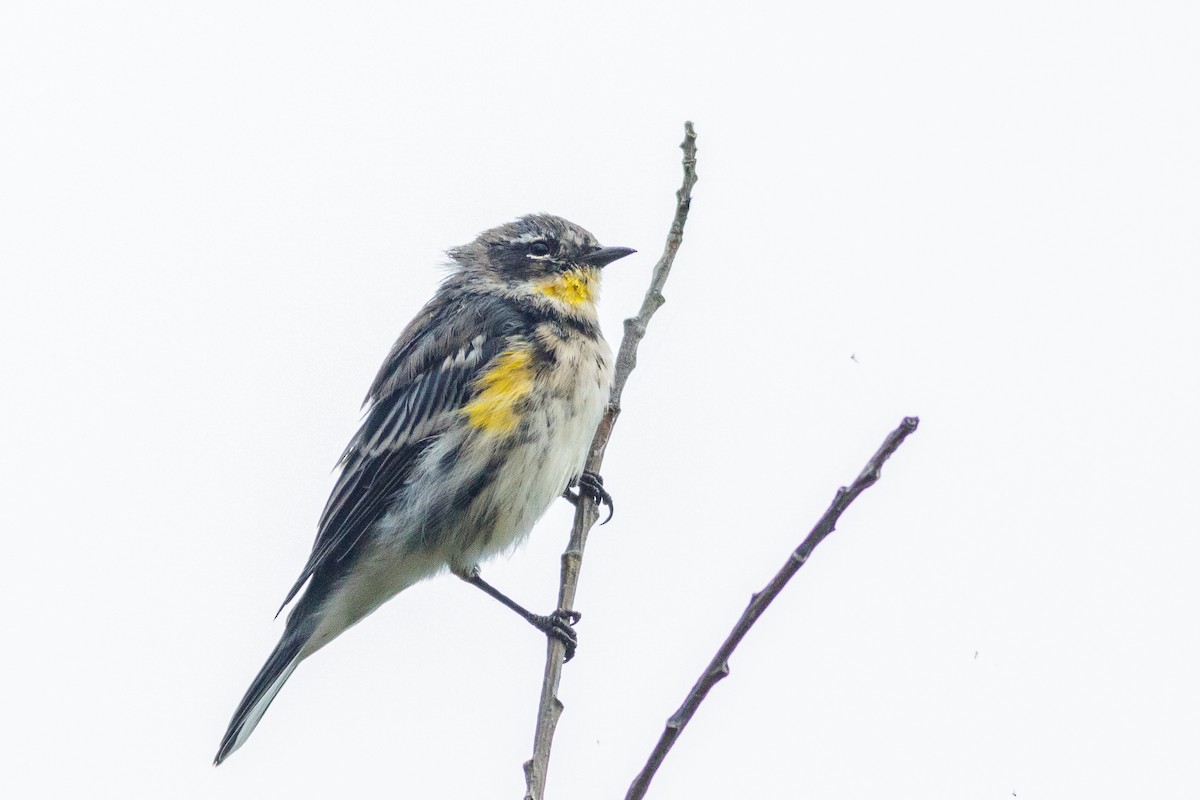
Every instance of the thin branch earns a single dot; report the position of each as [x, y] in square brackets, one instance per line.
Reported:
[586, 513]
[718, 668]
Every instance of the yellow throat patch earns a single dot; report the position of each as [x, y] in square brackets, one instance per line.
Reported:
[574, 287]
[500, 389]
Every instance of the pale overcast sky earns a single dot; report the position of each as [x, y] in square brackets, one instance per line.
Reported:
[216, 217]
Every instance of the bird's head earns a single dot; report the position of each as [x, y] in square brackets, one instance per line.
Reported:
[544, 255]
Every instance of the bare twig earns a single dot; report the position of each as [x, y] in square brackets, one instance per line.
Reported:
[718, 668]
[586, 513]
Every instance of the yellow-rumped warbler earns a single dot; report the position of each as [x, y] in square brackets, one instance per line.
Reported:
[480, 416]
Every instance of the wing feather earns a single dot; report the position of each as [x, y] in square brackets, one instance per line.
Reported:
[431, 369]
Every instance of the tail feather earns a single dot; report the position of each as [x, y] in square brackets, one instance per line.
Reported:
[330, 605]
[270, 679]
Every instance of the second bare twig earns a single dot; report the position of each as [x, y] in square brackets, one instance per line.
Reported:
[718, 668]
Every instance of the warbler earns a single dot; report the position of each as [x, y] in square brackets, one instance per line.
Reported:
[481, 415]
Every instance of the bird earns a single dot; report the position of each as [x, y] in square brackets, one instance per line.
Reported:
[480, 416]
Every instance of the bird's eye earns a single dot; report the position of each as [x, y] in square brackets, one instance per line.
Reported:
[539, 249]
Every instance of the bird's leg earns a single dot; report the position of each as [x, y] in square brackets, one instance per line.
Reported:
[557, 623]
[591, 484]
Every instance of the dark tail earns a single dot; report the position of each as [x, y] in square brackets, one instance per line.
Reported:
[267, 683]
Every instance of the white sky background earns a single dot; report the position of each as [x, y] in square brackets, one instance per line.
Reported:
[217, 218]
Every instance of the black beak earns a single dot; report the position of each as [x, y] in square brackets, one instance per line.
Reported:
[603, 256]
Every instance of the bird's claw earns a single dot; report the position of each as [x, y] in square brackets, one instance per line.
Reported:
[591, 484]
[558, 624]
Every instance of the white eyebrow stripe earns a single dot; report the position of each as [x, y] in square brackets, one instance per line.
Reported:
[526, 238]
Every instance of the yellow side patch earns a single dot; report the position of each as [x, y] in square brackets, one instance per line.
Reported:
[500, 389]
[575, 287]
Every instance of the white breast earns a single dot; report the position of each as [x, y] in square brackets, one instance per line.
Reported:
[556, 434]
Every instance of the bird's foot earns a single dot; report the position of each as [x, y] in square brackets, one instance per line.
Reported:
[556, 624]
[591, 484]
[559, 625]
